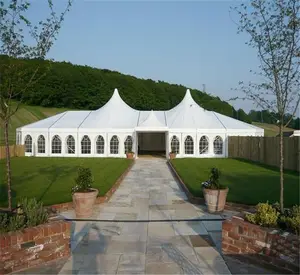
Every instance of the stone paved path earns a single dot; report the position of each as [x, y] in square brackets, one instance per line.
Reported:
[149, 191]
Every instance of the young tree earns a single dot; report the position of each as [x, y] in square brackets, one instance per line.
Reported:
[21, 39]
[274, 30]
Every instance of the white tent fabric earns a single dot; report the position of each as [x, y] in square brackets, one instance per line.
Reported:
[189, 115]
[116, 118]
[114, 114]
[152, 123]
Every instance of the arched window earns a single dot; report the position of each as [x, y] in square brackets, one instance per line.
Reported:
[203, 145]
[100, 145]
[175, 145]
[85, 145]
[56, 145]
[128, 144]
[189, 146]
[28, 144]
[70, 145]
[19, 138]
[218, 145]
[41, 144]
[114, 145]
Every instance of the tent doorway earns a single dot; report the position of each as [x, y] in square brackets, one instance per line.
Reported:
[152, 144]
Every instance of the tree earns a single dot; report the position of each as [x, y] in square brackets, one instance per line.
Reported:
[21, 40]
[243, 116]
[274, 30]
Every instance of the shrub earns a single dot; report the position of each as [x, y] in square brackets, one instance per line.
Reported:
[265, 215]
[30, 213]
[291, 221]
[83, 180]
[213, 182]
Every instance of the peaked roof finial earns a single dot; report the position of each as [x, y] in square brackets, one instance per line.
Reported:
[116, 91]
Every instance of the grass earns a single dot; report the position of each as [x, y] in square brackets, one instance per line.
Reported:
[248, 183]
[271, 130]
[26, 115]
[51, 179]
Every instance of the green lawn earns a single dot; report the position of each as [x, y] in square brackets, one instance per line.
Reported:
[26, 115]
[248, 183]
[271, 130]
[51, 179]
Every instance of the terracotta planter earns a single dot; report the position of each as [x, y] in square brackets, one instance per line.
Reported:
[130, 155]
[215, 199]
[172, 155]
[84, 202]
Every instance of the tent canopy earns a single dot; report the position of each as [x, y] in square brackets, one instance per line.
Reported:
[116, 114]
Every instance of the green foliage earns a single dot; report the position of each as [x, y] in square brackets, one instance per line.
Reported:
[30, 213]
[291, 220]
[269, 215]
[82, 87]
[265, 116]
[265, 215]
[83, 180]
[213, 182]
[34, 212]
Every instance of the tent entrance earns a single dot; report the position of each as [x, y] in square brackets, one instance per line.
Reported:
[151, 144]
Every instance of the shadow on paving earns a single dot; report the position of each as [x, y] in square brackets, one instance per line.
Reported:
[238, 266]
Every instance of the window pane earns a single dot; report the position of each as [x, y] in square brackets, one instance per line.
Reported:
[100, 145]
[218, 145]
[41, 145]
[56, 145]
[70, 145]
[189, 145]
[114, 145]
[175, 145]
[28, 144]
[128, 144]
[203, 145]
[85, 145]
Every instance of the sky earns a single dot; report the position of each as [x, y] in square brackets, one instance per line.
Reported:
[184, 42]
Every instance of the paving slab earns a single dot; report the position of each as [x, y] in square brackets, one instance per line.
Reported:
[149, 191]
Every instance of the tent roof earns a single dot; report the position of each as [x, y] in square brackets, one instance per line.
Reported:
[188, 114]
[116, 114]
[152, 121]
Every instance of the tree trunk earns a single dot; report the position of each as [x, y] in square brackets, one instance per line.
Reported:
[281, 168]
[8, 168]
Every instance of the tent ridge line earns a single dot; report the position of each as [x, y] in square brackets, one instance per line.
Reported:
[166, 122]
[57, 120]
[219, 120]
[84, 120]
[138, 121]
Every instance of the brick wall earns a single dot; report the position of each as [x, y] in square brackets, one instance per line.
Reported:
[33, 246]
[262, 245]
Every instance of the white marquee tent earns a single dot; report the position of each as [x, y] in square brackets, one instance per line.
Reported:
[115, 128]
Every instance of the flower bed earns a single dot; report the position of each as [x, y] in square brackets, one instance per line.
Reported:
[33, 246]
[262, 245]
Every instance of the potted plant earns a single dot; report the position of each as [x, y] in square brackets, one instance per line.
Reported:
[172, 154]
[214, 193]
[129, 152]
[83, 194]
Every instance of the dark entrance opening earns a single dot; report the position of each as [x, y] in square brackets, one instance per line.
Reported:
[152, 144]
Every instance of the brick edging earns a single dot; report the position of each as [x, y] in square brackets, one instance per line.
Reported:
[69, 205]
[198, 200]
